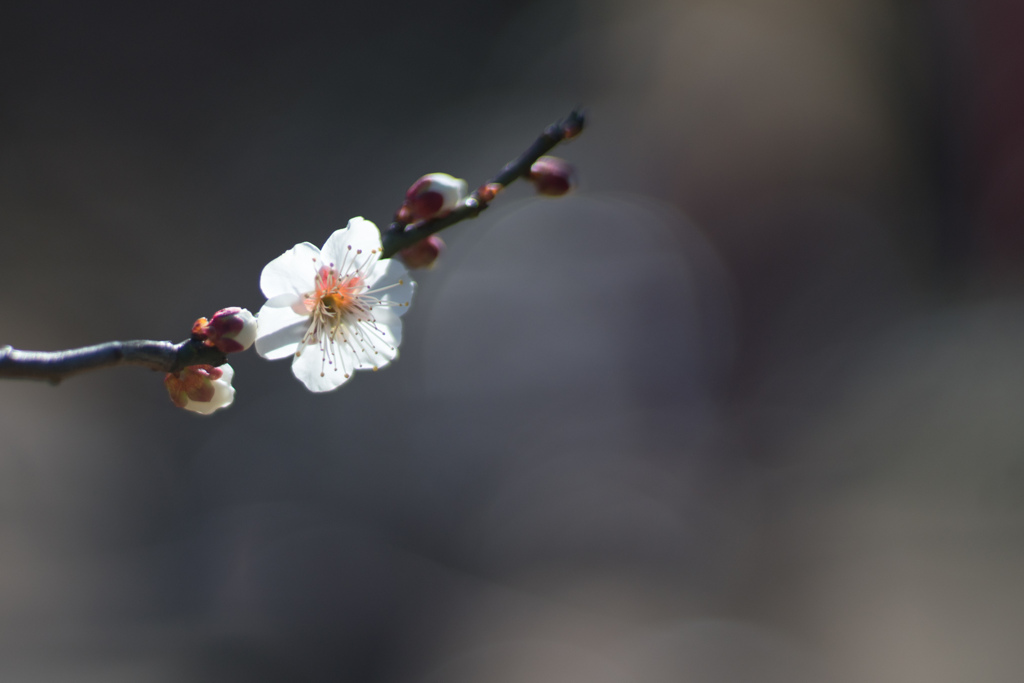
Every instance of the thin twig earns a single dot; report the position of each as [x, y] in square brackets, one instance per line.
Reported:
[398, 235]
[53, 366]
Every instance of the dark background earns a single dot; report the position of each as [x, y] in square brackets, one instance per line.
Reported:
[747, 406]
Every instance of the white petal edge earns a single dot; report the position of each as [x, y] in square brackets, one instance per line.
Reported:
[359, 234]
[278, 331]
[247, 335]
[279, 312]
[223, 394]
[373, 345]
[452, 189]
[293, 272]
[310, 364]
[356, 353]
[388, 273]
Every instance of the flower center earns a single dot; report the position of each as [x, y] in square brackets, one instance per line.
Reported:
[333, 294]
[335, 301]
[337, 307]
[342, 322]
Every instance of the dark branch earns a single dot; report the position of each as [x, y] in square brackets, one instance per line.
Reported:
[398, 236]
[53, 366]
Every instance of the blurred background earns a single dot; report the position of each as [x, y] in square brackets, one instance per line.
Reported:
[745, 407]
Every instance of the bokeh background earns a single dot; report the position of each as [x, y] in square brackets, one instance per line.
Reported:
[745, 407]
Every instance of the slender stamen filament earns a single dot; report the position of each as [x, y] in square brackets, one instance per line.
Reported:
[342, 322]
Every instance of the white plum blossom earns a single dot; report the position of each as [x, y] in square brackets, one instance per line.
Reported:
[334, 310]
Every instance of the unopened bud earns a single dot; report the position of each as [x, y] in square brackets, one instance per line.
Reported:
[201, 388]
[423, 254]
[571, 130]
[552, 176]
[404, 214]
[230, 329]
[489, 191]
[433, 195]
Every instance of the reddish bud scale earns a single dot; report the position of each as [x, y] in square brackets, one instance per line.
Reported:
[201, 389]
[228, 346]
[426, 205]
[199, 329]
[417, 188]
[197, 381]
[193, 383]
[226, 321]
[422, 254]
[433, 195]
[488, 192]
[404, 215]
[176, 390]
[225, 328]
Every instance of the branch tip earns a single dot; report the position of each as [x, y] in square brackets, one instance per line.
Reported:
[400, 235]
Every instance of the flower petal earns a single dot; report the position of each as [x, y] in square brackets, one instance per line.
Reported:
[293, 272]
[279, 329]
[320, 371]
[391, 276]
[374, 344]
[283, 342]
[359, 234]
[390, 325]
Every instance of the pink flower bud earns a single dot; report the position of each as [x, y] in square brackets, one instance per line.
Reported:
[230, 329]
[201, 388]
[552, 176]
[423, 254]
[433, 195]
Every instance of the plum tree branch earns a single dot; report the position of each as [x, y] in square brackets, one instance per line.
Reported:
[54, 366]
[399, 235]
